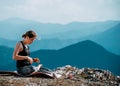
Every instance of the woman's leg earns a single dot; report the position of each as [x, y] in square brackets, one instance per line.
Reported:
[24, 71]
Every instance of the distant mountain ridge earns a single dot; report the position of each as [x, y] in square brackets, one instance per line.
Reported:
[109, 39]
[57, 36]
[6, 61]
[59, 31]
[82, 54]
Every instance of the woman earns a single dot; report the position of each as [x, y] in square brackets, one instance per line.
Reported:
[21, 54]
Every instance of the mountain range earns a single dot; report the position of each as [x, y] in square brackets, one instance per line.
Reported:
[6, 62]
[57, 36]
[59, 31]
[109, 39]
[82, 54]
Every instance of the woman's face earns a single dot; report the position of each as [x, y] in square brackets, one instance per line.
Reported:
[29, 40]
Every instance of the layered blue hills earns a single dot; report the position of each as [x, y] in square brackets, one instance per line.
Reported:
[57, 36]
[6, 62]
[82, 54]
[15, 27]
[63, 44]
[109, 39]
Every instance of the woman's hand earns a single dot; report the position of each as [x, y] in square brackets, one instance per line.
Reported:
[30, 59]
[36, 60]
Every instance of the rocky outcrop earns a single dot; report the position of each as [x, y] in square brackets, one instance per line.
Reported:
[70, 76]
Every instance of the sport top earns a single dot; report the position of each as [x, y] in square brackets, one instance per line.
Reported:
[25, 52]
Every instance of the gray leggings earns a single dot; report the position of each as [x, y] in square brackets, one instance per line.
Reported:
[26, 70]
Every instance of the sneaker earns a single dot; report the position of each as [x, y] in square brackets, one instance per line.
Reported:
[37, 68]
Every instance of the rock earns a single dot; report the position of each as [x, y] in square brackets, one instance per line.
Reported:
[70, 76]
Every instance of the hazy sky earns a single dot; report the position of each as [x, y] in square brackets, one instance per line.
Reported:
[61, 11]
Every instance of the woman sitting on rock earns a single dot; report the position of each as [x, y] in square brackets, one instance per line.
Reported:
[21, 54]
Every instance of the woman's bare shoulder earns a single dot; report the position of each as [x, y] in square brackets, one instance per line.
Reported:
[19, 45]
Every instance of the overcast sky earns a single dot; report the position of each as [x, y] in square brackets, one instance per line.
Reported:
[61, 11]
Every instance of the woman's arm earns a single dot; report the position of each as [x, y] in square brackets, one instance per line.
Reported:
[18, 49]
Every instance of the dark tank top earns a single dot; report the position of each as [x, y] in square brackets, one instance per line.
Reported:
[24, 52]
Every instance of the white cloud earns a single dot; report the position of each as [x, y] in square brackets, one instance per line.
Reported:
[64, 11]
